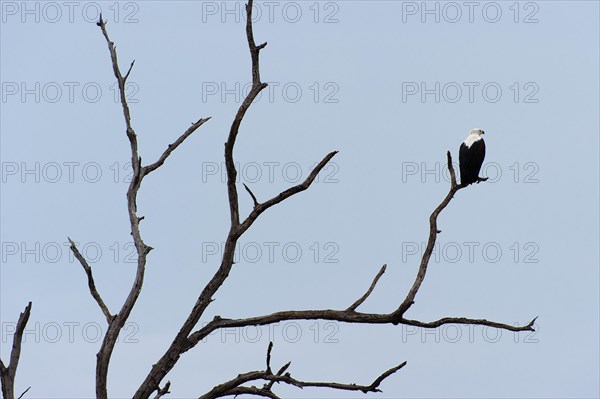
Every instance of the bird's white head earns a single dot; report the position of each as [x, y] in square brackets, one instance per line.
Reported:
[477, 132]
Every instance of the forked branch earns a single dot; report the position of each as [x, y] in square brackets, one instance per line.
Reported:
[116, 322]
[282, 196]
[234, 386]
[257, 87]
[8, 373]
[181, 342]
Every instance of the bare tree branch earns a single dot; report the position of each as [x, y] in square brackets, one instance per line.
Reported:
[451, 169]
[346, 316]
[257, 87]
[91, 284]
[433, 232]
[363, 298]
[251, 195]
[116, 322]
[129, 71]
[286, 378]
[260, 208]
[8, 373]
[463, 320]
[174, 145]
[180, 343]
[234, 386]
[24, 392]
[121, 83]
[269, 349]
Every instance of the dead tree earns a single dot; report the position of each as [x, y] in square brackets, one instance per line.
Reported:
[188, 336]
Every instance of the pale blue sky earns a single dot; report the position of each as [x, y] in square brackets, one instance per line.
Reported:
[358, 77]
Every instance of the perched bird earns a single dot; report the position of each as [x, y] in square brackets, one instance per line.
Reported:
[470, 156]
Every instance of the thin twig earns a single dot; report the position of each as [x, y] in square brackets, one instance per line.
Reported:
[386, 374]
[284, 368]
[369, 291]
[269, 349]
[150, 168]
[451, 170]
[24, 392]
[252, 195]
[129, 71]
[91, 284]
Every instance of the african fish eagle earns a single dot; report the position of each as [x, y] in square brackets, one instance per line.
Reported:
[470, 156]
